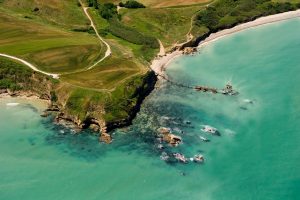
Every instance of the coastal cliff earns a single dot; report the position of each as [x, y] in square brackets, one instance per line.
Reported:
[140, 92]
[85, 109]
[106, 113]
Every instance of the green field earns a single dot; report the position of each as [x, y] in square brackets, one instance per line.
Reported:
[50, 48]
[65, 14]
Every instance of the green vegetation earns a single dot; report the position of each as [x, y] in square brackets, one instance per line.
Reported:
[108, 10]
[92, 3]
[50, 48]
[16, 77]
[132, 4]
[164, 3]
[170, 25]
[64, 14]
[131, 35]
[13, 76]
[227, 13]
[126, 97]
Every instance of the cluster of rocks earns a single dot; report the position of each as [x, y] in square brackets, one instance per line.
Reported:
[168, 137]
[93, 124]
[189, 50]
[104, 136]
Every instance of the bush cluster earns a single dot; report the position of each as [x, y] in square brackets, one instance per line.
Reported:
[227, 13]
[92, 3]
[132, 4]
[13, 76]
[108, 10]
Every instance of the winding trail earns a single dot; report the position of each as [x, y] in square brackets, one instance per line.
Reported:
[108, 50]
[189, 34]
[56, 76]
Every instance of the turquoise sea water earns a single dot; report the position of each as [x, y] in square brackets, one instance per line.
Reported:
[257, 155]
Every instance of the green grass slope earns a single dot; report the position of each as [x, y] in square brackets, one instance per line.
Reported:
[224, 14]
[50, 48]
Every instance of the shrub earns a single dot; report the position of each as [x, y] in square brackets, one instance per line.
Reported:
[108, 10]
[15, 76]
[132, 4]
[93, 3]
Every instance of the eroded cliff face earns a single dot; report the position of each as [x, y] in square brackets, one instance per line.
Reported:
[141, 91]
[104, 113]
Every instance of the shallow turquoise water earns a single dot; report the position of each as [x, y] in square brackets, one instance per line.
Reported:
[257, 155]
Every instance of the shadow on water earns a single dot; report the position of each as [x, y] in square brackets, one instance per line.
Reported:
[30, 107]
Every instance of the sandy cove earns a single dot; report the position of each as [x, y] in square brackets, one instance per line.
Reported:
[159, 64]
[23, 97]
[35, 101]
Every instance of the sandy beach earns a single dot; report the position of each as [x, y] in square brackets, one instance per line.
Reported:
[158, 65]
[7, 99]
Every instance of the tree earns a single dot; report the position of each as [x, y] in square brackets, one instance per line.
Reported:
[132, 4]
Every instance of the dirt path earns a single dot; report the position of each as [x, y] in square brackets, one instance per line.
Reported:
[56, 76]
[108, 50]
[29, 65]
[189, 35]
[162, 51]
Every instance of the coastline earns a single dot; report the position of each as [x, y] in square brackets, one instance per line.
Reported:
[40, 104]
[159, 65]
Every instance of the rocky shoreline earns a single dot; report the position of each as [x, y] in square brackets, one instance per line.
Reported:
[97, 125]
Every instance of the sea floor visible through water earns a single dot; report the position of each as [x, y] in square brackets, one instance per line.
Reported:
[256, 155]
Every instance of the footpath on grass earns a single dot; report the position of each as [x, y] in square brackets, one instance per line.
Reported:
[108, 49]
[29, 65]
